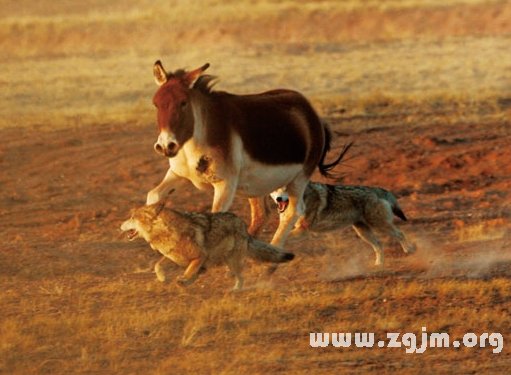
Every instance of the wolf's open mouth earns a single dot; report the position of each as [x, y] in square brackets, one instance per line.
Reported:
[132, 234]
[282, 205]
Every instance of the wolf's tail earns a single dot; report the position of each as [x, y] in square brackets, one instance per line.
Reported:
[398, 212]
[391, 198]
[265, 252]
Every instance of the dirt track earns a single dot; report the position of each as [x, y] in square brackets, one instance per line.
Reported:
[64, 194]
[82, 182]
[69, 189]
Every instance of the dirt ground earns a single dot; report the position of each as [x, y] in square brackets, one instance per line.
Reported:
[77, 297]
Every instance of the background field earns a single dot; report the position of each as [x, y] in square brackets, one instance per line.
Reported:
[422, 87]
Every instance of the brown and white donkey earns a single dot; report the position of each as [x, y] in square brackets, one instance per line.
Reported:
[248, 145]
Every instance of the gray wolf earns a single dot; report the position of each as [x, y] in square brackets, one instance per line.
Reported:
[366, 209]
[199, 240]
[246, 145]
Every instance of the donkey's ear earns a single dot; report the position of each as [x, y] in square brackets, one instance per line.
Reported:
[160, 75]
[192, 76]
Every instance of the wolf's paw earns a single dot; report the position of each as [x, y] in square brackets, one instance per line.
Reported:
[378, 264]
[183, 281]
[160, 276]
[238, 286]
[410, 249]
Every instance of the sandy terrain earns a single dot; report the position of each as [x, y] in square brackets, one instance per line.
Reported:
[424, 93]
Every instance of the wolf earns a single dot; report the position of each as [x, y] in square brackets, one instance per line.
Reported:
[198, 240]
[329, 207]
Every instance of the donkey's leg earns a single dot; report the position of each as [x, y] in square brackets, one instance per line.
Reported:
[366, 234]
[225, 191]
[295, 209]
[161, 191]
[258, 214]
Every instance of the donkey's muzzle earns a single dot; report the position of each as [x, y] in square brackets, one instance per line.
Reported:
[169, 151]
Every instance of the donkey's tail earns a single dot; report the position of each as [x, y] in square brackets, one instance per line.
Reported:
[325, 169]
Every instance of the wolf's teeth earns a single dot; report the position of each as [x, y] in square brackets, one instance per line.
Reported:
[132, 233]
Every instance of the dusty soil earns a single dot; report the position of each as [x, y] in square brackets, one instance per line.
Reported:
[71, 188]
[64, 194]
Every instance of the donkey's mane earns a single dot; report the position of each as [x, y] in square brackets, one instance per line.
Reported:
[180, 73]
[204, 83]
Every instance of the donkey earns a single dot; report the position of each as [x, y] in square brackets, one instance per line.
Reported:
[249, 145]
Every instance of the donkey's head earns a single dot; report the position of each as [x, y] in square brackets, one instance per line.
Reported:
[172, 100]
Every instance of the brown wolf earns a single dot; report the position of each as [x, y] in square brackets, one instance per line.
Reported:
[329, 207]
[197, 240]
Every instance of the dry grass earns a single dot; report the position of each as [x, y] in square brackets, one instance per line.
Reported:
[97, 68]
[132, 325]
[482, 231]
[84, 90]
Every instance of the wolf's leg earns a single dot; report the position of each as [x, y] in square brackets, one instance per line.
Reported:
[300, 229]
[258, 215]
[235, 258]
[225, 191]
[161, 191]
[191, 272]
[366, 234]
[235, 267]
[160, 275]
[239, 282]
[394, 232]
[297, 234]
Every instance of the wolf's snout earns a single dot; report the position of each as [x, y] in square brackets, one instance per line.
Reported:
[169, 150]
[282, 203]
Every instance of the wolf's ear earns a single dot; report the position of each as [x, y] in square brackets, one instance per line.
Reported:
[161, 204]
[168, 195]
[159, 207]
